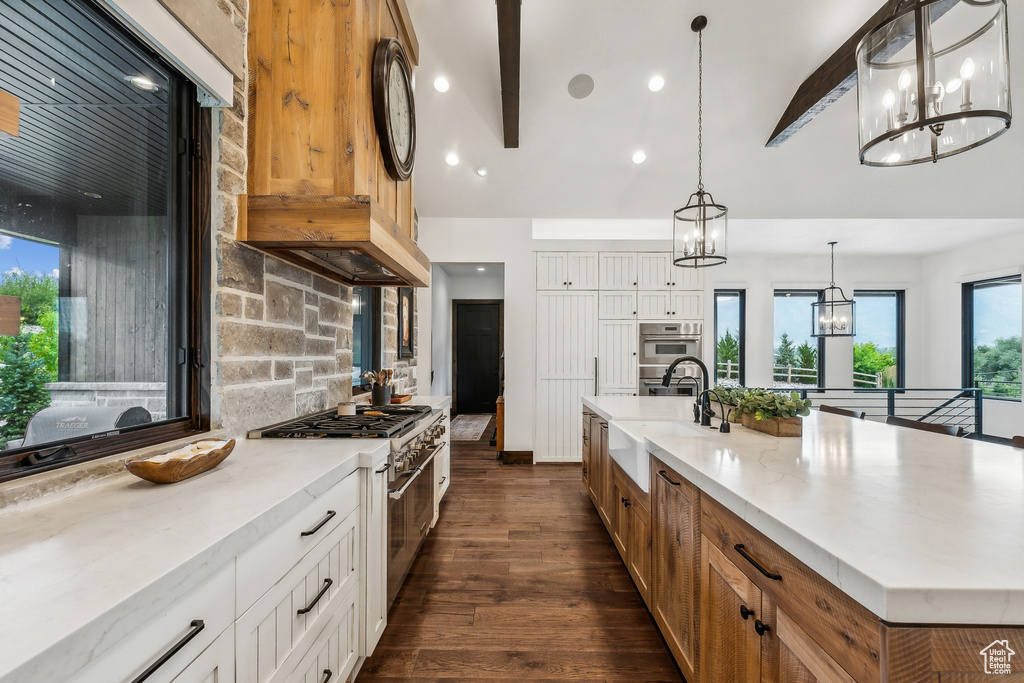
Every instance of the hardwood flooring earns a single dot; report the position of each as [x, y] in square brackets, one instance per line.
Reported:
[518, 581]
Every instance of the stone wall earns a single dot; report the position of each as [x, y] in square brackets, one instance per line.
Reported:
[282, 336]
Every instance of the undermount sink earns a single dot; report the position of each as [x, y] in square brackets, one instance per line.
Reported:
[627, 447]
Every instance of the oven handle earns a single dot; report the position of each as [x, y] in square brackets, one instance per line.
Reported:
[395, 495]
[675, 339]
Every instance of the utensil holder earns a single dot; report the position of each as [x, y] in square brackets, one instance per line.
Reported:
[380, 396]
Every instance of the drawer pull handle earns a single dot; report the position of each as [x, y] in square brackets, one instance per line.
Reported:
[384, 469]
[739, 548]
[761, 627]
[196, 626]
[444, 479]
[665, 477]
[625, 502]
[746, 613]
[329, 517]
[310, 606]
[327, 676]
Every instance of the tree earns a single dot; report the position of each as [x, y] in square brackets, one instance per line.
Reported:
[785, 354]
[997, 367]
[807, 356]
[728, 350]
[22, 394]
[869, 361]
[38, 293]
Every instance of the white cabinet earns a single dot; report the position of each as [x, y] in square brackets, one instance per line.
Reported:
[617, 351]
[334, 653]
[576, 270]
[616, 305]
[566, 370]
[687, 305]
[654, 305]
[375, 558]
[442, 478]
[654, 270]
[617, 270]
[215, 665]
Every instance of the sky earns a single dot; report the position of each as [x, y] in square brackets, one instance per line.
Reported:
[997, 313]
[30, 257]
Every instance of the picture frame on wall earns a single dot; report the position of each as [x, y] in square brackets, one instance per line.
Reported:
[406, 322]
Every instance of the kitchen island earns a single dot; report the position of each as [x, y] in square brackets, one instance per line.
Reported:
[908, 527]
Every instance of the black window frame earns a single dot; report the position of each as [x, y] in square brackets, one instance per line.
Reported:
[816, 293]
[741, 332]
[967, 334]
[372, 334]
[901, 328]
[189, 148]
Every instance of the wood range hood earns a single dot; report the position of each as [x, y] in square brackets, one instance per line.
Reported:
[318, 193]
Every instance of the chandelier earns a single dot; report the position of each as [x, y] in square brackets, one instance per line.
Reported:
[699, 228]
[832, 313]
[928, 89]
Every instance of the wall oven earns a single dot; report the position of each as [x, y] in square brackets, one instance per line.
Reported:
[662, 343]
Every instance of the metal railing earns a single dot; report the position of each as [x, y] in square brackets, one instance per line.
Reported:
[1006, 384]
[958, 407]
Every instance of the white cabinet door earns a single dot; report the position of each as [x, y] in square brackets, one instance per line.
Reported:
[654, 270]
[687, 305]
[618, 270]
[552, 270]
[583, 270]
[618, 360]
[688, 278]
[215, 665]
[442, 477]
[333, 656]
[375, 557]
[654, 305]
[617, 305]
[566, 370]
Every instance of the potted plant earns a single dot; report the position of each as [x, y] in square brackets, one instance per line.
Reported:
[731, 397]
[771, 413]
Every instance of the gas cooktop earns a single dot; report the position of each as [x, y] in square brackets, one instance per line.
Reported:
[368, 422]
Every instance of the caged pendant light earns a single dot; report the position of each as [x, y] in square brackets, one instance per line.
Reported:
[832, 315]
[933, 80]
[699, 228]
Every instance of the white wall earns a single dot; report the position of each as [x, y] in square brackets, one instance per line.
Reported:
[943, 275]
[440, 325]
[478, 287]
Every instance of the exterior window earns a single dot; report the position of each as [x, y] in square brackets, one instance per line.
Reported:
[99, 277]
[878, 348]
[799, 358]
[730, 343]
[992, 337]
[366, 319]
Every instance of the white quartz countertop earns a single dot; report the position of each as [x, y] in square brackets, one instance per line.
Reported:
[79, 573]
[915, 526]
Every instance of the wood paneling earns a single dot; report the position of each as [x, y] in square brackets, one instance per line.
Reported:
[730, 647]
[676, 555]
[948, 653]
[10, 114]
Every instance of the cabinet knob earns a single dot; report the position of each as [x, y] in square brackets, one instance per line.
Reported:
[634, 284]
[746, 613]
[668, 284]
[761, 627]
[625, 502]
[634, 353]
[565, 283]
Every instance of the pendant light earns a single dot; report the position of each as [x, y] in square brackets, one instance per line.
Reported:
[933, 80]
[699, 228]
[832, 315]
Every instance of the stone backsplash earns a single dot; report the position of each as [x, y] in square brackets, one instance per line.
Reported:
[282, 336]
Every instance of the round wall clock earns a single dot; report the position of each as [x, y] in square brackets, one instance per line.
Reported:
[394, 112]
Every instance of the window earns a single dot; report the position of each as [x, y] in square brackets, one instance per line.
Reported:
[878, 348]
[730, 343]
[992, 336]
[100, 267]
[799, 359]
[366, 319]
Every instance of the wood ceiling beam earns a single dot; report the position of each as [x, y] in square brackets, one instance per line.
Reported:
[509, 30]
[838, 74]
[10, 109]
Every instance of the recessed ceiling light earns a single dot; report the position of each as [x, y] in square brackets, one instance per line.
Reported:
[481, 171]
[481, 268]
[441, 84]
[92, 195]
[452, 159]
[639, 157]
[580, 86]
[143, 84]
[656, 83]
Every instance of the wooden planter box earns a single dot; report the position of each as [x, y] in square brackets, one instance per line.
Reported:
[776, 426]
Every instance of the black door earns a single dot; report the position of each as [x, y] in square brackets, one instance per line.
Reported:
[477, 353]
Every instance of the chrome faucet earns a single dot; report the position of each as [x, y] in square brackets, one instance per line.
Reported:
[702, 412]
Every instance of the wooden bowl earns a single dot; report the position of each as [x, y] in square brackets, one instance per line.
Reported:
[177, 468]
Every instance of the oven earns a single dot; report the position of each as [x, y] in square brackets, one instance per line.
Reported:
[685, 381]
[662, 343]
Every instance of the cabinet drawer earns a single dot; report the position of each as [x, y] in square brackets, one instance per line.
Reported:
[203, 613]
[274, 628]
[334, 650]
[215, 665]
[845, 630]
[262, 565]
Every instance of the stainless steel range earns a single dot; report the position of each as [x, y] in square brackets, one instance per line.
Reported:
[416, 435]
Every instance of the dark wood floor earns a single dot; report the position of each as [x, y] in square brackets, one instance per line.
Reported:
[518, 581]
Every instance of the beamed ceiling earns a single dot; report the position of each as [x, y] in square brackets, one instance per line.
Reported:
[574, 156]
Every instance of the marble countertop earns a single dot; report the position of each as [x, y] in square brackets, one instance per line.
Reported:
[915, 526]
[79, 573]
